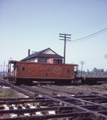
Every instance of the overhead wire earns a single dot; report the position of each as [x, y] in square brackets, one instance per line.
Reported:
[90, 36]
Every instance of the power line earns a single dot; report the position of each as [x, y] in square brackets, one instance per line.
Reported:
[90, 36]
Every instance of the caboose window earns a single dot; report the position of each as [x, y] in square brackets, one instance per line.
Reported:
[23, 68]
[48, 70]
[68, 70]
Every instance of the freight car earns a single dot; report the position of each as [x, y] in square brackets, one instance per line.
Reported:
[27, 72]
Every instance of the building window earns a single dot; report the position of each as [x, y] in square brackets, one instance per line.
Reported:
[51, 60]
[23, 68]
[48, 70]
[68, 70]
[56, 62]
[42, 60]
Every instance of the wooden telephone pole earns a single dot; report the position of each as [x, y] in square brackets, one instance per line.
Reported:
[82, 62]
[65, 36]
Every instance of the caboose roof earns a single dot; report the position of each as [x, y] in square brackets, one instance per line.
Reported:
[25, 62]
[46, 53]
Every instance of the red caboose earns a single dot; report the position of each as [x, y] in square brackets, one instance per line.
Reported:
[26, 72]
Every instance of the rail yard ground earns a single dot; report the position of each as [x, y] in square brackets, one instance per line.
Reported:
[101, 89]
[53, 102]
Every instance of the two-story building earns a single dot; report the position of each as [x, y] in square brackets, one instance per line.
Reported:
[45, 56]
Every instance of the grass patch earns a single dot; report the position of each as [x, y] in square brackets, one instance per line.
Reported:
[79, 87]
[5, 93]
[104, 86]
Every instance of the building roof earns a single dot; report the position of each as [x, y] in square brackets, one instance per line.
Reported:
[46, 53]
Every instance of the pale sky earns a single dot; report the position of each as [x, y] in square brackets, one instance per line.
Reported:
[36, 24]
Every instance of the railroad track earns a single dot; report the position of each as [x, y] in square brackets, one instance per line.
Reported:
[5, 82]
[54, 108]
[53, 103]
[65, 90]
[51, 90]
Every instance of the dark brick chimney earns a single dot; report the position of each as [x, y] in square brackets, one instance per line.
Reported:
[28, 52]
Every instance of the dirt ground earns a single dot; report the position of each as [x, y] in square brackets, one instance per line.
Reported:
[101, 89]
[18, 94]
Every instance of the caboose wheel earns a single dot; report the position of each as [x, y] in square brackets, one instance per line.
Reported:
[18, 82]
[28, 82]
[63, 82]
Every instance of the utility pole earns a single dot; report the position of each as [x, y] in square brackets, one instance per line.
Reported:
[82, 62]
[4, 68]
[65, 36]
[1, 69]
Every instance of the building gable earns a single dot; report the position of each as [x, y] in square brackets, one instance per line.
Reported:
[49, 51]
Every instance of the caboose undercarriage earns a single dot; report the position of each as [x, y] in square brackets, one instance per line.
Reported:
[82, 81]
[29, 81]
